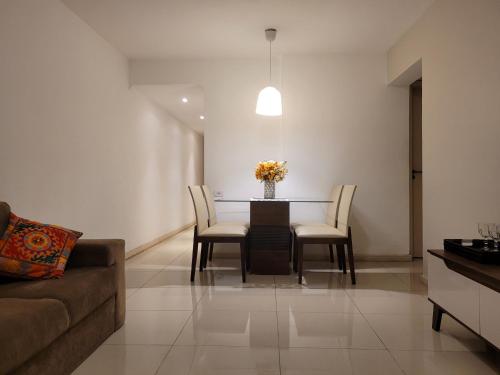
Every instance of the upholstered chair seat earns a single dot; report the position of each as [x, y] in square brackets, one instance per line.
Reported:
[318, 231]
[226, 230]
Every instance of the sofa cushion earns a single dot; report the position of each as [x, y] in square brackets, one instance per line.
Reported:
[33, 250]
[4, 217]
[81, 290]
[97, 253]
[28, 326]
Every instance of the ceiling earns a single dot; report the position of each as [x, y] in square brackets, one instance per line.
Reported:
[235, 28]
[210, 29]
[170, 98]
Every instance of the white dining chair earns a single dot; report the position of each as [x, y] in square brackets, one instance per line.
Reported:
[331, 219]
[216, 233]
[212, 216]
[339, 235]
[210, 201]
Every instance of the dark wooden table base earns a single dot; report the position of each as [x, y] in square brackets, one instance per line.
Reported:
[270, 237]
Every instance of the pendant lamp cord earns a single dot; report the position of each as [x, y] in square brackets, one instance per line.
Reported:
[270, 61]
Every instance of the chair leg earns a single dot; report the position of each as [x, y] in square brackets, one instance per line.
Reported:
[204, 255]
[344, 264]
[205, 259]
[248, 251]
[211, 251]
[330, 247]
[340, 256]
[351, 257]
[193, 260]
[243, 260]
[300, 259]
[295, 252]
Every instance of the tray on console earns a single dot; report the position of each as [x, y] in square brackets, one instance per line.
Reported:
[473, 249]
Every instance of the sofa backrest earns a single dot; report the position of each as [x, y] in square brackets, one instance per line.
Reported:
[4, 217]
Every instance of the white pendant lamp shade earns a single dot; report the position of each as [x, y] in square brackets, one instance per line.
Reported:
[269, 102]
[269, 99]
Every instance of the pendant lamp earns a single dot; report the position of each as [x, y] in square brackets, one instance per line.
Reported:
[269, 99]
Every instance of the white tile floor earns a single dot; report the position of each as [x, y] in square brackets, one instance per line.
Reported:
[271, 325]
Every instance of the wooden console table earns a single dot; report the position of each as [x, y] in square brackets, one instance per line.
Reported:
[466, 290]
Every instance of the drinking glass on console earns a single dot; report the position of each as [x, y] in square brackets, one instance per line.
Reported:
[494, 230]
[483, 229]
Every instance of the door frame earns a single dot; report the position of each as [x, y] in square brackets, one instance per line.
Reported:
[417, 83]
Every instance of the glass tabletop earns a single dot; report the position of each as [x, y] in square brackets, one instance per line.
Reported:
[294, 200]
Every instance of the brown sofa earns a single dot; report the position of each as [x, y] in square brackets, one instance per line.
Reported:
[51, 326]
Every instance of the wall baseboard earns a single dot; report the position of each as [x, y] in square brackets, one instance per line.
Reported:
[140, 249]
[383, 258]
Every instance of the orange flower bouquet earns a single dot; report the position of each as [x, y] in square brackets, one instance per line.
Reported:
[270, 172]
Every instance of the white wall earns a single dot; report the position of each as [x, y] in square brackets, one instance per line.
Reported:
[341, 124]
[459, 44]
[78, 147]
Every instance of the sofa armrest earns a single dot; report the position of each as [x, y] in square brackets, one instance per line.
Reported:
[97, 253]
[104, 253]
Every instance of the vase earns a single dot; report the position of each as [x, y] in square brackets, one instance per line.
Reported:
[269, 189]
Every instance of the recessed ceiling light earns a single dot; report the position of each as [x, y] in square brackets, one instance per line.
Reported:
[202, 117]
[184, 100]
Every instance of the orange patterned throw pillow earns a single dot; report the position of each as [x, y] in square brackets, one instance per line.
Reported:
[33, 250]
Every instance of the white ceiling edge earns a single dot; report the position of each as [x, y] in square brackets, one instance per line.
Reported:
[150, 29]
[169, 97]
[408, 76]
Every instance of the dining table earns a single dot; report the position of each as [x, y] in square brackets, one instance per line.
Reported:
[269, 248]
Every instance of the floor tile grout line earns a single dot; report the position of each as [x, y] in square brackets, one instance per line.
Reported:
[195, 308]
[178, 335]
[131, 294]
[151, 278]
[187, 319]
[398, 313]
[183, 326]
[173, 260]
[166, 310]
[277, 324]
[302, 347]
[288, 347]
[163, 359]
[396, 361]
[121, 344]
[411, 288]
[376, 334]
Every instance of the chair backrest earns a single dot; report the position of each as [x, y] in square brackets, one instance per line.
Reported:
[200, 207]
[332, 209]
[209, 198]
[345, 208]
[4, 217]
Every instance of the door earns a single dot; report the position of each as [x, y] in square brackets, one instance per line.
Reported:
[416, 168]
